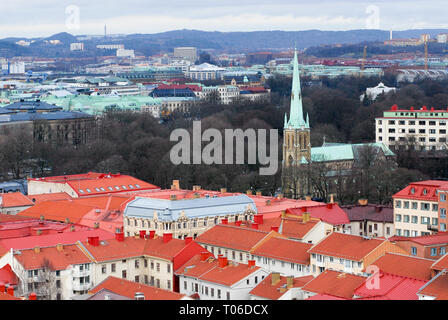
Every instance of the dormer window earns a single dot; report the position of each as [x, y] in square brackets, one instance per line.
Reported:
[425, 191]
[412, 190]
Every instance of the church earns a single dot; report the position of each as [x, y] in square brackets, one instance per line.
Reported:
[331, 162]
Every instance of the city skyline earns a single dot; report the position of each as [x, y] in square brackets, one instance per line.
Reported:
[86, 18]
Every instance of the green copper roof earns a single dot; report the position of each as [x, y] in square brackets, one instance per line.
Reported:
[296, 120]
[339, 152]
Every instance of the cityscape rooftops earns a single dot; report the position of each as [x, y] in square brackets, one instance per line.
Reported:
[405, 266]
[330, 213]
[370, 212]
[270, 289]
[436, 287]
[283, 249]
[422, 190]
[14, 199]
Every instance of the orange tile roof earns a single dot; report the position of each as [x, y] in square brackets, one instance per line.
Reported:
[17, 217]
[5, 296]
[14, 199]
[296, 228]
[284, 250]
[38, 198]
[441, 263]
[335, 283]
[231, 237]
[128, 289]
[58, 211]
[437, 287]
[265, 226]
[265, 289]
[59, 260]
[406, 266]
[345, 246]
[210, 271]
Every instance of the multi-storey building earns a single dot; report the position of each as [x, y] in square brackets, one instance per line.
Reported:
[419, 129]
[416, 209]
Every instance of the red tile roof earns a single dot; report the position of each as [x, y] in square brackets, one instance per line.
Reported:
[321, 296]
[439, 238]
[7, 276]
[59, 260]
[128, 289]
[331, 213]
[416, 190]
[17, 217]
[210, 271]
[406, 266]
[14, 199]
[265, 289]
[441, 263]
[231, 237]
[58, 211]
[5, 296]
[339, 284]
[284, 250]
[38, 198]
[437, 287]
[296, 228]
[390, 287]
[345, 246]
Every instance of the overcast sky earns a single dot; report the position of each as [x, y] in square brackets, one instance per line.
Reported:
[37, 18]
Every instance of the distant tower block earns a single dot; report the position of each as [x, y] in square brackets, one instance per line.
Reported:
[391, 35]
[105, 31]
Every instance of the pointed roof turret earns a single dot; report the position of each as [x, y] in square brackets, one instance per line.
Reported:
[296, 119]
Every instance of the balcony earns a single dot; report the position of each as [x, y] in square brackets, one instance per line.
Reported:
[81, 286]
[76, 273]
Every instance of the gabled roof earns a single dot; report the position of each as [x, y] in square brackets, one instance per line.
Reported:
[441, 263]
[284, 249]
[423, 190]
[266, 289]
[128, 289]
[60, 260]
[339, 284]
[370, 212]
[296, 228]
[346, 246]
[38, 198]
[58, 211]
[231, 237]
[210, 271]
[14, 199]
[406, 266]
[7, 276]
[330, 213]
[437, 287]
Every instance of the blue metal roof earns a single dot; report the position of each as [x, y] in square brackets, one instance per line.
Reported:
[170, 210]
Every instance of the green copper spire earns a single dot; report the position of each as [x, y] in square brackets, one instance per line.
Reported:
[296, 120]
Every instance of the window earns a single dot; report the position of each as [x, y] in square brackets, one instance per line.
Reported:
[185, 285]
[424, 220]
[443, 227]
[414, 205]
[398, 217]
[435, 207]
[414, 219]
[228, 295]
[424, 206]
[433, 252]
[442, 250]
[123, 274]
[168, 268]
[103, 269]
[435, 221]
[137, 279]
[168, 284]
[158, 283]
[406, 218]
[398, 232]
[414, 251]
[406, 204]
[137, 264]
[112, 267]
[398, 204]
[443, 197]
[158, 267]
[406, 233]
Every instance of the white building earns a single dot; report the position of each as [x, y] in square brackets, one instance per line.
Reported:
[204, 71]
[373, 93]
[77, 46]
[125, 53]
[423, 129]
[442, 38]
[187, 53]
[218, 279]
[110, 46]
[227, 94]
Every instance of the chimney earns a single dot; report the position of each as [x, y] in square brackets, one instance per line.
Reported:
[151, 234]
[258, 218]
[275, 278]
[119, 236]
[268, 202]
[60, 247]
[167, 237]
[175, 185]
[304, 209]
[223, 190]
[94, 241]
[10, 290]
[251, 263]
[378, 208]
[329, 205]
[249, 192]
[254, 225]
[32, 296]
[305, 217]
[142, 234]
[280, 195]
[238, 223]
[173, 197]
[289, 281]
[274, 229]
[363, 202]
[139, 296]
[222, 262]
[196, 195]
[224, 221]
[204, 255]
[331, 198]
[196, 188]
[36, 249]
[308, 198]
[72, 228]
[258, 193]
[188, 240]
[2, 287]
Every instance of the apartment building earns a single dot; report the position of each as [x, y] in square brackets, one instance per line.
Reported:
[419, 129]
[209, 278]
[348, 253]
[226, 93]
[185, 217]
[416, 209]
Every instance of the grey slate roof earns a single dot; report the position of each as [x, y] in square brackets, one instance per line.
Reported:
[170, 210]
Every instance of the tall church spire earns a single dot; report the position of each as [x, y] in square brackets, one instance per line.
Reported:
[296, 119]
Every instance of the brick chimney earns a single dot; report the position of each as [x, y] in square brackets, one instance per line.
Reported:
[258, 193]
[36, 249]
[251, 263]
[152, 234]
[2, 287]
[94, 241]
[142, 234]
[222, 262]
[10, 290]
[289, 281]
[167, 237]
[32, 296]
[255, 225]
[249, 192]
[175, 185]
[223, 190]
[258, 218]
[173, 197]
[275, 278]
[305, 217]
[204, 255]
[119, 236]
[60, 247]
[363, 202]
[224, 221]
[308, 198]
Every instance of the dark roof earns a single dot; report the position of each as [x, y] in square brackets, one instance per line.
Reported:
[187, 92]
[370, 212]
[32, 105]
[56, 115]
